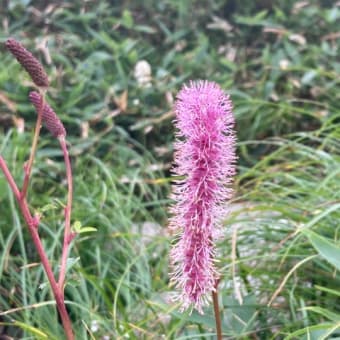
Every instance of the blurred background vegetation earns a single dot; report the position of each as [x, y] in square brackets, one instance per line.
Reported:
[115, 69]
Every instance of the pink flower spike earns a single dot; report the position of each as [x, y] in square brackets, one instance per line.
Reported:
[205, 157]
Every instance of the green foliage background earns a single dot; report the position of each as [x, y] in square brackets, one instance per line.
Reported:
[279, 62]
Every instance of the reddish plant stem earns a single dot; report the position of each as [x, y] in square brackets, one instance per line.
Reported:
[28, 167]
[68, 209]
[32, 224]
[217, 312]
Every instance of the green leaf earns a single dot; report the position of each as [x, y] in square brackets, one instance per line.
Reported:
[316, 332]
[79, 229]
[308, 77]
[240, 318]
[324, 312]
[73, 282]
[207, 319]
[257, 20]
[127, 19]
[145, 29]
[71, 262]
[320, 216]
[59, 202]
[325, 247]
[330, 291]
[76, 226]
[86, 230]
[47, 207]
[38, 333]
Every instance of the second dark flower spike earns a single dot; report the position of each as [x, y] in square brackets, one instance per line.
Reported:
[49, 117]
[28, 62]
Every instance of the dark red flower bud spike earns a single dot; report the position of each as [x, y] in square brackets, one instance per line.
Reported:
[31, 64]
[49, 117]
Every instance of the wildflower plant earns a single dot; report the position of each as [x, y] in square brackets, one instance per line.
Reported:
[204, 169]
[48, 117]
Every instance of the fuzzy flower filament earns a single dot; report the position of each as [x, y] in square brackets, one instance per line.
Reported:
[205, 158]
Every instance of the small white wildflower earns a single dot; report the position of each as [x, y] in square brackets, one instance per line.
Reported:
[298, 38]
[142, 73]
[284, 63]
[94, 326]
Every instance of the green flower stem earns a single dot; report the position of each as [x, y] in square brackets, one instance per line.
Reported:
[28, 167]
